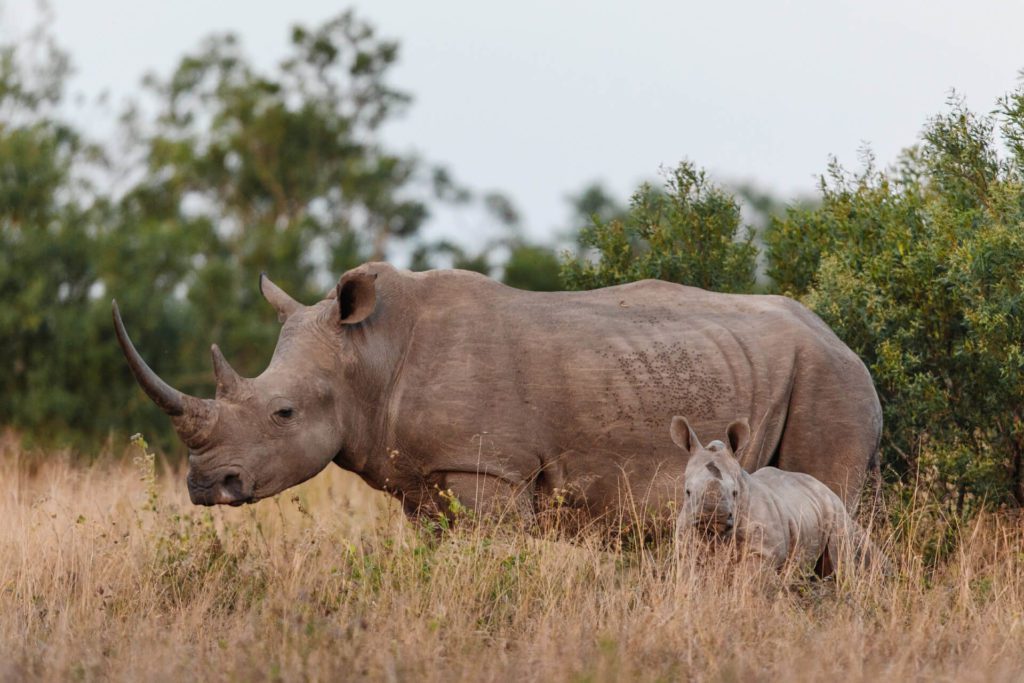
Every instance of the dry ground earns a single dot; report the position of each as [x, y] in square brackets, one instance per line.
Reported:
[107, 576]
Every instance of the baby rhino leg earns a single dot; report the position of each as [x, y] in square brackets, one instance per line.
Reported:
[850, 548]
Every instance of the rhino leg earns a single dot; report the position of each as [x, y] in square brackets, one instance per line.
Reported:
[486, 495]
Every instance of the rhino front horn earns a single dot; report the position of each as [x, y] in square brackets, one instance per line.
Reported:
[188, 413]
[167, 398]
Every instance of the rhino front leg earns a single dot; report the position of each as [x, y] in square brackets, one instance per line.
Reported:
[486, 496]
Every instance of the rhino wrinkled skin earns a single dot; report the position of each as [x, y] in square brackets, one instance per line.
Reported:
[425, 383]
[775, 517]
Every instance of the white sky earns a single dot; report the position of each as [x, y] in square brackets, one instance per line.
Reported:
[537, 98]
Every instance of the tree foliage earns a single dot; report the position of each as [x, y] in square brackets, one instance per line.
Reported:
[51, 227]
[688, 232]
[240, 171]
[921, 271]
[293, 150]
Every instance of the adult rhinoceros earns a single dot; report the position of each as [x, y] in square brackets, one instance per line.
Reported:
[447, 381]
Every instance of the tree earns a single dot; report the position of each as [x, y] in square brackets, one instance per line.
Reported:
[293, 151]
[49, 222]
[279, 171]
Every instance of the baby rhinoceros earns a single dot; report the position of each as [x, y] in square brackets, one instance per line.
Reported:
[781, 518]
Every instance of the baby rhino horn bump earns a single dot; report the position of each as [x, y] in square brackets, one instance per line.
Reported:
[278, 298]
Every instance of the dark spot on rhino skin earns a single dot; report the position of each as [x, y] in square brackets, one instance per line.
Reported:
[668, 379]
[713, 469]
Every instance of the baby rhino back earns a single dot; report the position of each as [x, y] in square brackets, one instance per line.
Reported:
[792, 517]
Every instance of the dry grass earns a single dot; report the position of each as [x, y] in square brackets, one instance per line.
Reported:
[101, 581]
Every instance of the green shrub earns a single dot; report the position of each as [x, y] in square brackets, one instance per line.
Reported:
[690, 233]
[921, 271]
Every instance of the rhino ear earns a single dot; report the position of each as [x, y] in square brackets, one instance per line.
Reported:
[683, 435]
[357, 297]
[738, 434]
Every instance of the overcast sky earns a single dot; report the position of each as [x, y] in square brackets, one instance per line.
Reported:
[538, 98]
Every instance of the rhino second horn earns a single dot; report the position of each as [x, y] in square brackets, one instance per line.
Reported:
[227, 379]
[166, 397]
[278, 298]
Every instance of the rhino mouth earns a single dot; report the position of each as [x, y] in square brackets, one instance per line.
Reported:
[226, 488]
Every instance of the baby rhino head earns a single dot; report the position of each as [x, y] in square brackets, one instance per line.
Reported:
[715, 488]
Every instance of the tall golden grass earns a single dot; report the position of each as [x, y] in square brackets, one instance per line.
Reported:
[109, 574]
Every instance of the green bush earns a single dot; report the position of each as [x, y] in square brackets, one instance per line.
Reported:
[921, 271]
[533, 267]
[690, 232]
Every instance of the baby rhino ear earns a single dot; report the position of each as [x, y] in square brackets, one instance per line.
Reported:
[683, 435]
[738, 434]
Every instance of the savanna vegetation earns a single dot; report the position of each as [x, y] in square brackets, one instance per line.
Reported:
[109, 573]
[224, 170]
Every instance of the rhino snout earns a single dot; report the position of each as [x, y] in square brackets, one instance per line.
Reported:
[226, 487]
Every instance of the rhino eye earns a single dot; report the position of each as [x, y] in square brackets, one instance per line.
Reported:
[284, 413]
[735, 493]
[687, 491]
